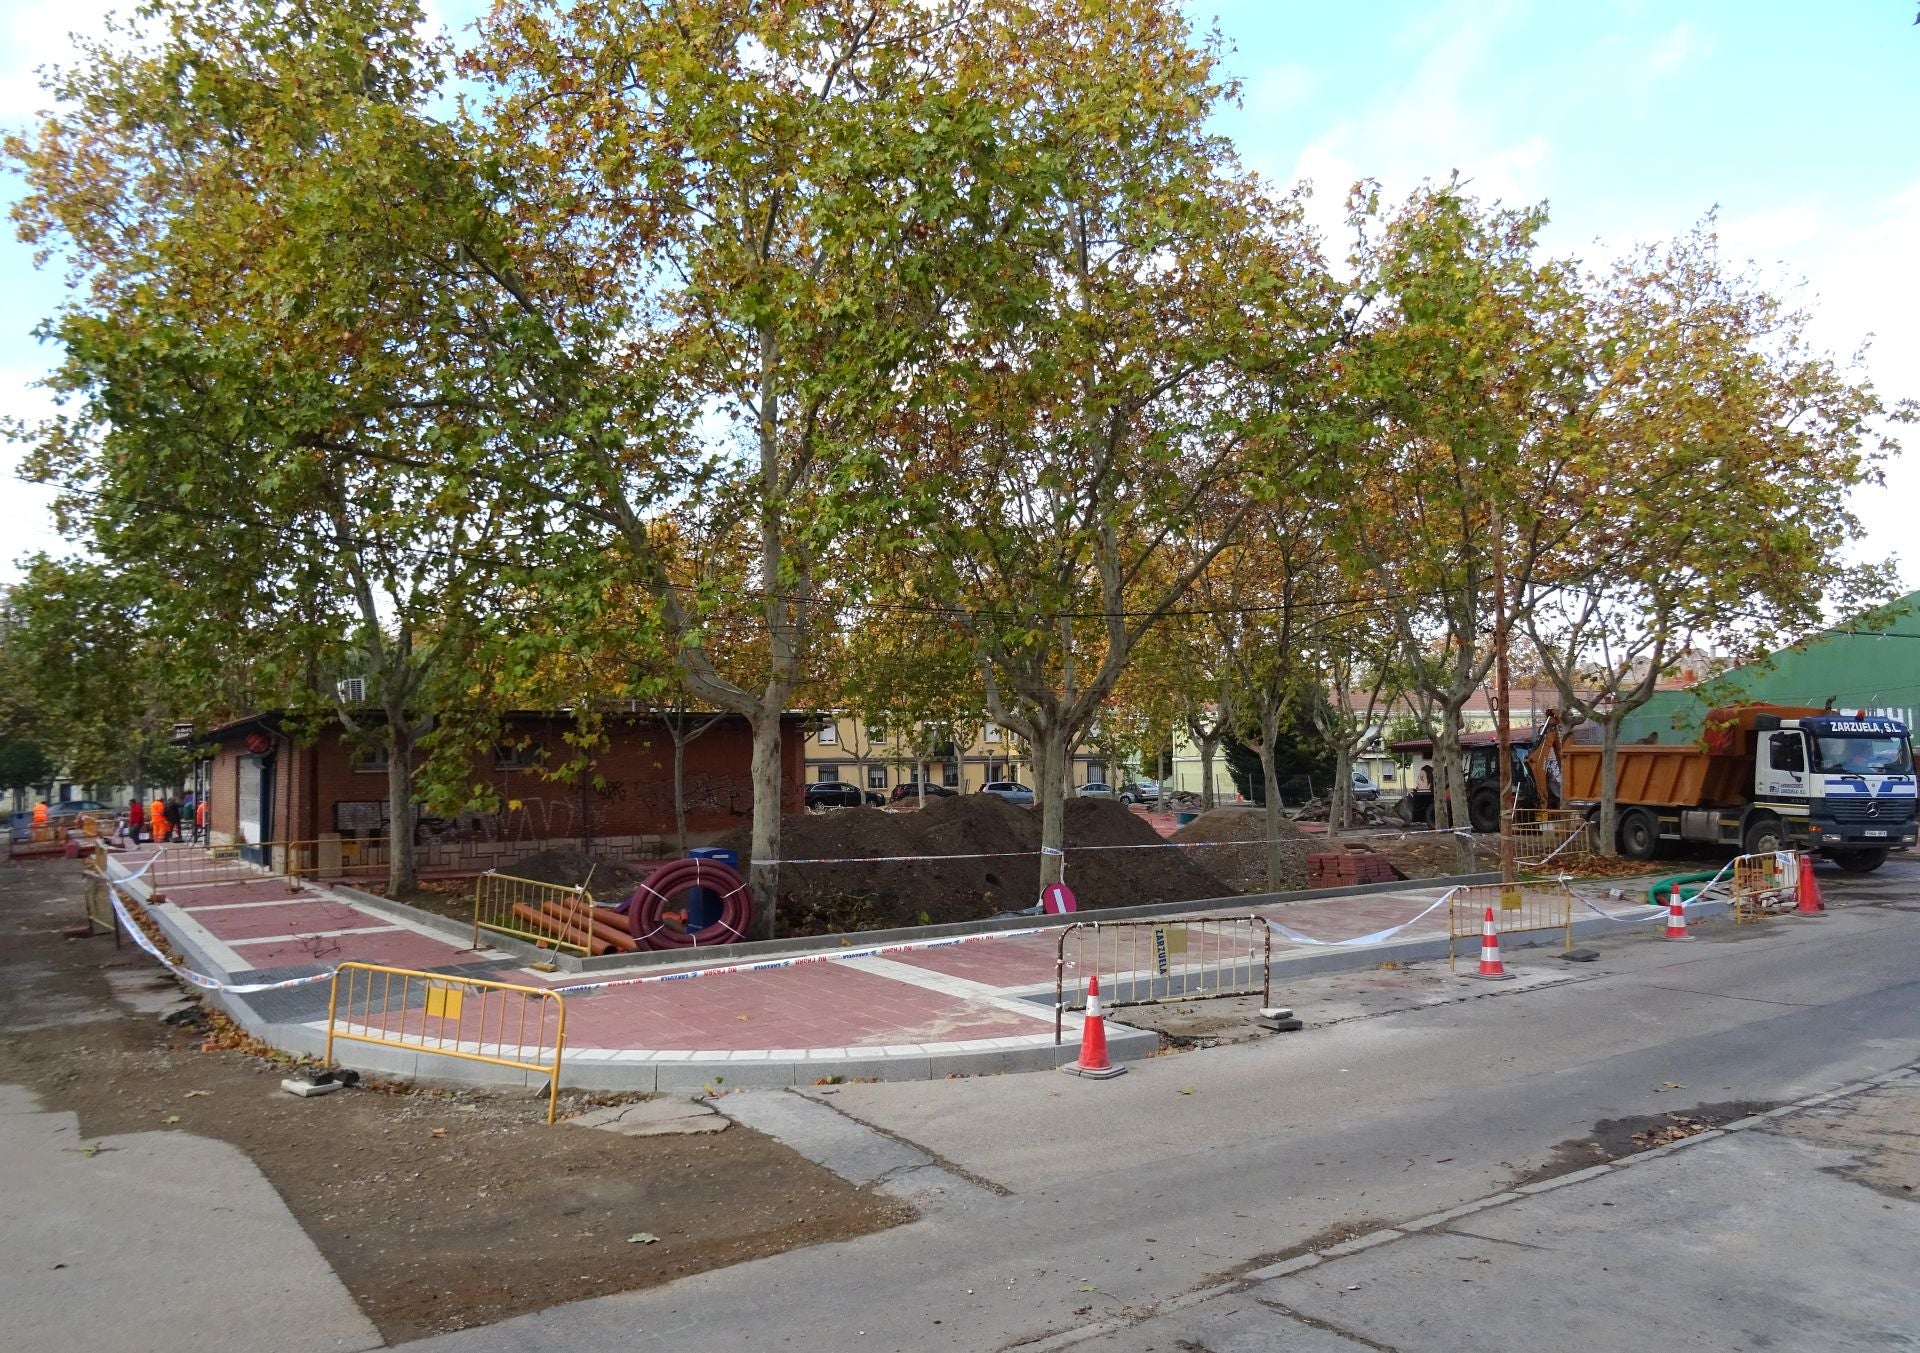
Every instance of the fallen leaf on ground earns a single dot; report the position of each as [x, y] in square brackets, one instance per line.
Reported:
[439, 1132]
[194, 1094]
[642, 1238]
[1088, 1287]
[1186, 1092]
[171, 1118]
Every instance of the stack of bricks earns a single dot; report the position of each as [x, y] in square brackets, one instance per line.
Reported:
[1343, 868]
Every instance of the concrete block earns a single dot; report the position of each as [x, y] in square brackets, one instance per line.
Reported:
[1561, 1181]
[1359, 1243]
[1284, 1267]
[730, 1075]
[1433, 1219]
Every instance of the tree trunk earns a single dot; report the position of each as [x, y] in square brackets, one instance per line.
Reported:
[920, 769]
[403, 873]
[763, 876]
[1609, 784]
[1049, 751]
[1451, 789]
[679, 794]
[1269, 734]
[1209, 747]
[1340, 815]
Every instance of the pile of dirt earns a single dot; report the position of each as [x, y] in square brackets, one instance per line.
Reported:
[1435, 854]
[1244, 864]
[986, 860]
[607, 879]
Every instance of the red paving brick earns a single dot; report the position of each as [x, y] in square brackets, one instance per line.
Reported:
[812, 1005]
[252, 923]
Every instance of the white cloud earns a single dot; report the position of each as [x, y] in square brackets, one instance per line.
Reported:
[37, 33]
[1676, 49]
[26, 509]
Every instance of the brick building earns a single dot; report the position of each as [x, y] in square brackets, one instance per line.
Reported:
[269, 781]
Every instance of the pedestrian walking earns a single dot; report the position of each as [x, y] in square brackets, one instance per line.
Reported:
[171, 812]
[136, 821]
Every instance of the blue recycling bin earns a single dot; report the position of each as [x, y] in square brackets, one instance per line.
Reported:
[703, 904]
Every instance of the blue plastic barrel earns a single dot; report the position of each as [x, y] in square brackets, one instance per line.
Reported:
[703, 904]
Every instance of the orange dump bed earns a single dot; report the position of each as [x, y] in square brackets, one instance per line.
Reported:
[1665, 776]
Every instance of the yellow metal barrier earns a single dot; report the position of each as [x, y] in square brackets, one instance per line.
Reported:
[517, 907]
[1559, 834]
[498, 1023]
[1765, 885]
[1517, 909]
[1161, 962]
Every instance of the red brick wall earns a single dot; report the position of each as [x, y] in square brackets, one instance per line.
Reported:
[310, 781]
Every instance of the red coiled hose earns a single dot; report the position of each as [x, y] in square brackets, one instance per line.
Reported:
[656, 921]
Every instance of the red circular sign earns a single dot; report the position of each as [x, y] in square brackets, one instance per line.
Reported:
[259, 743]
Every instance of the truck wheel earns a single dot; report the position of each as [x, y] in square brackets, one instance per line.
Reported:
[1859, 861]
[1639, 834]
[1764, 836]
[1483, 811]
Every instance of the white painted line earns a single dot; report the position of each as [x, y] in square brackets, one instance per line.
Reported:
[317, 935]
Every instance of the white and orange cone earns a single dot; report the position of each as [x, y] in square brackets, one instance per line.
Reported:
[1677, 916]
[1807, 901]
[1093, 1063]
[1491, 968]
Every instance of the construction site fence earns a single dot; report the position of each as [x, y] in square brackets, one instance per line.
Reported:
[1765, 885]
[1161, 962]
[472, 1020]
[99, 901]
[543, 914]
[1557, 834]
[1518, 908]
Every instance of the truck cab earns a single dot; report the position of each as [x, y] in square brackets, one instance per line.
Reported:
[1840, 784]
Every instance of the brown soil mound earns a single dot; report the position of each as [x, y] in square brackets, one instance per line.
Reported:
[870, 892]
[568, 866]
[1245, 865]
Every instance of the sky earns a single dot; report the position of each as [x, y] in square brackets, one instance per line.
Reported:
[1630, 119]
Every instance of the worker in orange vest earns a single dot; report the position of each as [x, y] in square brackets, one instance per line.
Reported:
[40, 813]
[157, 818]
[200, 819]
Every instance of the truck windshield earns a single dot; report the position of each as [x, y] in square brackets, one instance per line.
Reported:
[1862, 756]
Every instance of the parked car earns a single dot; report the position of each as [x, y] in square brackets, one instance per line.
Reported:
[912, 791]
[1096, 789]
[74, 808]
[1018, 795]
[1364, 787]
[834, 794]
[1140, 791]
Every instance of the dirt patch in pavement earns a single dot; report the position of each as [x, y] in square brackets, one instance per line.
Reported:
[439, 1210]
[1613, 1138]
[869, 888]
[1881, 1126]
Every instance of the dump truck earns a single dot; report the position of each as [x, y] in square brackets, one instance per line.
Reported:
[1761, 778]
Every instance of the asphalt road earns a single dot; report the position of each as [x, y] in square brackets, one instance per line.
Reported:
[1101, 1203]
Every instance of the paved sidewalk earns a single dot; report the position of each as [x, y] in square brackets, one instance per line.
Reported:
[977, 1007]
[153, 1242]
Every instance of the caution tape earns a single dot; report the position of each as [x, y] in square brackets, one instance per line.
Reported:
[1376, 937]
[188, 975]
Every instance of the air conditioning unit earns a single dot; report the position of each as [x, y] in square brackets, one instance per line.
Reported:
[352, 690]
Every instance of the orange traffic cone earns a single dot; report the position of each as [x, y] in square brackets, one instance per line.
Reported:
[1093, 1062]
[1491, 968]
[1677, 917]
[1809, 902]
